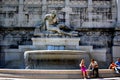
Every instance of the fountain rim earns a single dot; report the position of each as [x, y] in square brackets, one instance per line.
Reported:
[26, 53]
[52, 51]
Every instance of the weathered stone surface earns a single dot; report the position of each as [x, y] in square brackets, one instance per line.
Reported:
[87, 17]
[56, 41]
[52, 74]
[96, 38]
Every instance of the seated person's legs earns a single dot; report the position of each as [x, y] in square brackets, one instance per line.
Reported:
[83, 73]
[118, 68]
[95, 72]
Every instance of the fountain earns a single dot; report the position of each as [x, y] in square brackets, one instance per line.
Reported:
[54, 59]
[58, 47]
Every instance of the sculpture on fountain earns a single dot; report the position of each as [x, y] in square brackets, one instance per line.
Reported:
[52, 25]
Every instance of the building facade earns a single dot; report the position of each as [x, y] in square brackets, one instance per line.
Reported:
[75, 13]
[98, 22]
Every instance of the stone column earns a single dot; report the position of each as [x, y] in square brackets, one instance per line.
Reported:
[90, 12]
[7, 19]
[20, 13]
[67, 11]
[114, 10]
[118, 12]
[44, 8]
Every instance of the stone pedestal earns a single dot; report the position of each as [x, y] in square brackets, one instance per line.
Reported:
[68, 43]
[56, 41]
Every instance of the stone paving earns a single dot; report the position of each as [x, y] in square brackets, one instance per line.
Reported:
[114, 78]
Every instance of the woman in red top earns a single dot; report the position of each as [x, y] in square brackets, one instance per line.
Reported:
[112, 65]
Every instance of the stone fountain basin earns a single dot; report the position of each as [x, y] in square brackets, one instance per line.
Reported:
[55, 59]
[55, 54]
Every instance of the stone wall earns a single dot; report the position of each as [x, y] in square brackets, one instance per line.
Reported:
[74, 13]
[10, 39]
[19, 38]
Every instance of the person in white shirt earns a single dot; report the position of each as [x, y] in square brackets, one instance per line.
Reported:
[94, 66]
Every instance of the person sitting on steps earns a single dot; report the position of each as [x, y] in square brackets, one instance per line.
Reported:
[94, 66]
[83, 69]
[112, 65]
[118, 65]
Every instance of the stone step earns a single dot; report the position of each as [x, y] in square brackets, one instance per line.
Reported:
[51, 74]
